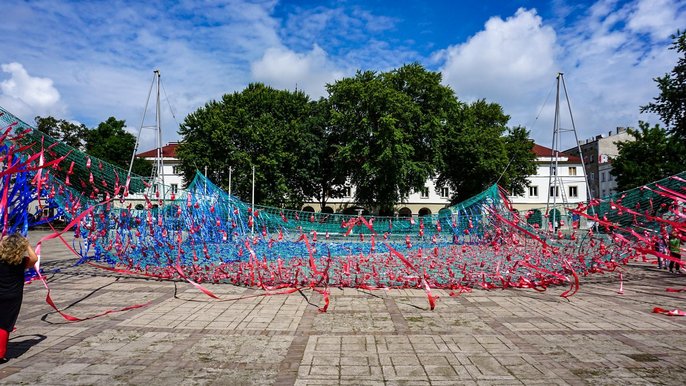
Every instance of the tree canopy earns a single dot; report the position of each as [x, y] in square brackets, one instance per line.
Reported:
[277, 131]
[476, 153]
[658, 152]
[64, 131]
[391, 128]
[654, 154]
[111, 143]
[670, 105]
[385, 133]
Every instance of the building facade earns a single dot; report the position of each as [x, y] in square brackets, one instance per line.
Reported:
[567, 180]
[598, 154]
[564, 185]
[171, 173]
[428, 200]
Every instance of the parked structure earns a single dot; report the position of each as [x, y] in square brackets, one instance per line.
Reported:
[598, 154]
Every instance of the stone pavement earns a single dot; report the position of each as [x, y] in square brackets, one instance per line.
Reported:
[500, 337]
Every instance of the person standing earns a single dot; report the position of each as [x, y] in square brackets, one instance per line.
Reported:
[674, 249]
[16, 255]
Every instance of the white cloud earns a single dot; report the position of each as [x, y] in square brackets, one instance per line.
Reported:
[609, 54]
[27, 96]
[283, 68]
[611, 66]
[659, 18]
[510, 62]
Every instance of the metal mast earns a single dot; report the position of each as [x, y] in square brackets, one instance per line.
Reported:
[157, 175]
[554, 181]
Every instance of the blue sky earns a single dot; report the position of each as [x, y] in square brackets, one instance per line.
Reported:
[86, 61]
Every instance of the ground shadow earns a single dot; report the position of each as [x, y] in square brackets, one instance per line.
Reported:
[18, 345]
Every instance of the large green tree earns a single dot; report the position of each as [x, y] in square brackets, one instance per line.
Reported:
[670, 105]
[274, 130]
[62, 130]
[521, 163]
[111, 143]
[330, 177]
[389, 126]
[477, 152]
[654, 154]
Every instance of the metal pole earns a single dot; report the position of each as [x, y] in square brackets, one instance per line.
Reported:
[252, 230]
[160, 151]
[230, 170]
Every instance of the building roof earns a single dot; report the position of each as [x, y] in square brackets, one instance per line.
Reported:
[542, 151]
[168, 151]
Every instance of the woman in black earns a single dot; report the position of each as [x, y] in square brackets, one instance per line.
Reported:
[15, 255]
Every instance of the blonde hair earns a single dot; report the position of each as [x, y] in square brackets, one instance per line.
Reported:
[13, 249]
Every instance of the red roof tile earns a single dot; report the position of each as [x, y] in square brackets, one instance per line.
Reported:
[168, 150]
[542, 151]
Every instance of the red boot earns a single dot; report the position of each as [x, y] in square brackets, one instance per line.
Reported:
[4, 337]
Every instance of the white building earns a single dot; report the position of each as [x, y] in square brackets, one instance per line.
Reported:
[570, 187]
[427, 201]
[564, 186]
[173, 179]
[598, 155]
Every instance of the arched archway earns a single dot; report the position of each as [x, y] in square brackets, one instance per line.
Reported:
[555, 216]
[308, 209]
[327, 209]
[535, 218]
[424, 212]
[405, 212]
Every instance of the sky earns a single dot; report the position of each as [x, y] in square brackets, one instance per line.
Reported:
[85, 61]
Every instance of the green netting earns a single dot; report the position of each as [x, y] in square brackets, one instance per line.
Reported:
[647, 200]
[95, 177]
[470, 214]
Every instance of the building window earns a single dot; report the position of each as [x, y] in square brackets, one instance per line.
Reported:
[445, 192]
[533, 191]
[590, 159]
[347, 191]
[603, 193]
[176, 169]
[553, 171]
[572, 170]
[174, 188]
[591, 176]
[602, 176]
[424, 193]
[554, 191]
[573, 191]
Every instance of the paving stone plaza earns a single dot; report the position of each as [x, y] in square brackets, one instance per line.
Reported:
[500, 337]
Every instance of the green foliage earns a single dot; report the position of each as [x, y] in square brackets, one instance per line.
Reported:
[670, 105]
[64, 131]
[475, 153]
[653, 155]
[275, 131]
[110, 142]
[522, 160]
[390, 126]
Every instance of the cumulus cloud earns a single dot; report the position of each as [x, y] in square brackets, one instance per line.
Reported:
[610, 53]
[659, 18]
[27, 96]
[511, 62]
[286, 69]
